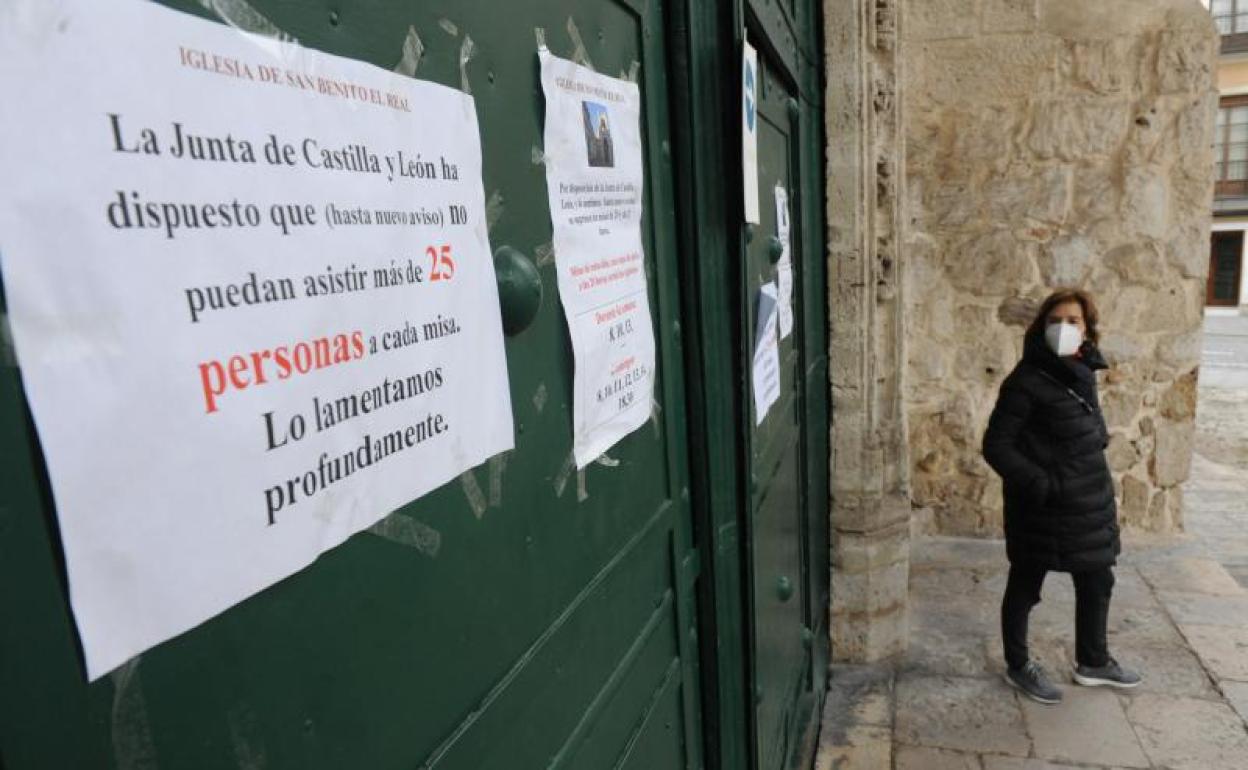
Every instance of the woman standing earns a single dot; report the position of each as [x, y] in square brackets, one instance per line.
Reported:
[1046, 438]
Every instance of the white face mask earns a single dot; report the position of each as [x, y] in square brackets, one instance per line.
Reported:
[1064, 339]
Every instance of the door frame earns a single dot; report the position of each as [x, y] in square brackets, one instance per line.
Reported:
[706, 136]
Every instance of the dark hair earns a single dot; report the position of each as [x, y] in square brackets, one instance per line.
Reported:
[1062, 296]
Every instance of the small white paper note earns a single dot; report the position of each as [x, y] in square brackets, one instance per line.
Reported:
[749, 131]
[766, 354]
[784, 268]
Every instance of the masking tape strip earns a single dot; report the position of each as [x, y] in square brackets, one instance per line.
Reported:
[472, 490]
[240, 15]
[579, 54]
[407, 531]
[8, 351]
[413, 52]
[582, 494]
[493, 209]
[544, 254]
[466, 52]
[133, 748]
[607, 461]
[498, 464]
[565, 472]
[449, 27]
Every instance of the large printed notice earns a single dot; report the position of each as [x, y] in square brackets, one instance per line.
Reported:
[252, 297]
[594, 180]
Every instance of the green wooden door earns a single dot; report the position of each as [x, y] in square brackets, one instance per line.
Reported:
[787, 451]
[525, 616]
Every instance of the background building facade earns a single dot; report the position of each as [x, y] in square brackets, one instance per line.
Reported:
[1227, 289]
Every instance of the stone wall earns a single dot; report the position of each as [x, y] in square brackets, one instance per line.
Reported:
[1055, 143]
[869, 463]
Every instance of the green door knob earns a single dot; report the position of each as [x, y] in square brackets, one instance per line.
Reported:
[750, 230]
[519, 289]
[793, 108]
[775, 249]
[808, 637]
[784, 589]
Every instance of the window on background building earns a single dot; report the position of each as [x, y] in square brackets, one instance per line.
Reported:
[1231, 16]
[1230, 146]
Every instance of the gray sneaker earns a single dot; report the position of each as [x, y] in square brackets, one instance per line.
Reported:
[1034, 683]
[1109, 675]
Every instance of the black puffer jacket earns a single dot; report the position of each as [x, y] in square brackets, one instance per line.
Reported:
[1047, 439]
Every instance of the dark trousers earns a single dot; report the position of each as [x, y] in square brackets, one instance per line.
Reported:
[1092, 592]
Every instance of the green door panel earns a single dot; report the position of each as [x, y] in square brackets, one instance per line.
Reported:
[779, 657]
[661, 724]
[778, 603]
[788, 451]
[547, 617]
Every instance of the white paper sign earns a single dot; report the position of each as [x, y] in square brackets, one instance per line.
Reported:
[766, 368]
[594, 180]
[749, 130]
[784, 268]
[252, 297]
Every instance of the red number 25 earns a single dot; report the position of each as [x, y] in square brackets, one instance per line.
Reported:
[443, 265]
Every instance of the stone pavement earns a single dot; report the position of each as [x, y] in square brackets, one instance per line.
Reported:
[1222, 401]
[1217, 494]
[1178, 615]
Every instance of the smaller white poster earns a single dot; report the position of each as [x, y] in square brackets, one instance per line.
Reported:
[594, 181]
[784, 268]
[766, 354]
[749, 131]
